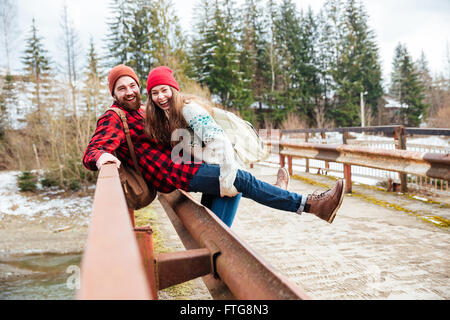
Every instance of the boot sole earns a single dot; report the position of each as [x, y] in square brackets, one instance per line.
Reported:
[333, 214]
[288, 179]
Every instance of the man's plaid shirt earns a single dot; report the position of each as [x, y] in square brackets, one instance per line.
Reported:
[154, 159]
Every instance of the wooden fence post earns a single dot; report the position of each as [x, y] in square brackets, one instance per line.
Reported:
[347, 168]
[307, 160]
[400, 143]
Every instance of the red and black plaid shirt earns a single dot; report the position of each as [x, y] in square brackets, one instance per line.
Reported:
[154, 159]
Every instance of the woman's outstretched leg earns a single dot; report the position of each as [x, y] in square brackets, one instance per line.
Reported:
[324, 205]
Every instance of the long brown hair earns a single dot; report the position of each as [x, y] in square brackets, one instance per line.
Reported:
[160, 124]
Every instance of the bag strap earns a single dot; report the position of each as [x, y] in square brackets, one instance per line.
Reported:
[122, 116]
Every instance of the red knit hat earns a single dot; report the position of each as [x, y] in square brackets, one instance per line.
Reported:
[120, 71]
[161, 75]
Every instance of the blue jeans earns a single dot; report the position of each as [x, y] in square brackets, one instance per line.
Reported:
[206, 180]
[224, 207]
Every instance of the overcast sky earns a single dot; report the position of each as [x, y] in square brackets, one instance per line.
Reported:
[420, 25]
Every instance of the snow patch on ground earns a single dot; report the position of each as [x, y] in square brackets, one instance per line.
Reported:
[13, 202]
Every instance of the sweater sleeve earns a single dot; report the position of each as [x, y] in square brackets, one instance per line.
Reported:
[218, 148]
[107, 137]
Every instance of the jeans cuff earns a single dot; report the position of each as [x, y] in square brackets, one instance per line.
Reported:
[302, 205]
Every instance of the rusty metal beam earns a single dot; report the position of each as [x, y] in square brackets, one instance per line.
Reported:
[144, 238]
[177, 267]
[112, 267]
[246, 274]
[216, 287]
[418, 163]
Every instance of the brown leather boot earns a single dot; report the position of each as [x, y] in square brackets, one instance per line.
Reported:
[282, 179]
[326, 204]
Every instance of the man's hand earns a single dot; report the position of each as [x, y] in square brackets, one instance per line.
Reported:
[105, 158]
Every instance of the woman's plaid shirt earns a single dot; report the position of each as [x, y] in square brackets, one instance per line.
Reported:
[154, 159]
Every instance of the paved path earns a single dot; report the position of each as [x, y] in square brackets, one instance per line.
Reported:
[371, 251]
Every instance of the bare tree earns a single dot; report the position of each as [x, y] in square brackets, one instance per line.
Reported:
[71, 44]
[8, 13]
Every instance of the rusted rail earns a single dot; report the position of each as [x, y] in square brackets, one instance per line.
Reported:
[236, 266]
[374, 129]
[112, 266]
[398, 132]
[433, 165]
[119, 262]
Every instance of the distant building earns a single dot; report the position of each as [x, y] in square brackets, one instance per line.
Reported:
[391, 111]
[392, 103]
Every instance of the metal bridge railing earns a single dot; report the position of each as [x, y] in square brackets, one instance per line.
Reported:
[112, 266]
[398, 132]
[432, 165]
[119, 262]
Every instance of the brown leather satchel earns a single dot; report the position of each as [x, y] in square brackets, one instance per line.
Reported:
[137, 193]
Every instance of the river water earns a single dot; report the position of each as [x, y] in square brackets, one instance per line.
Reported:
[51, 277]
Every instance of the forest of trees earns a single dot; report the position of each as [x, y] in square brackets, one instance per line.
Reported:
[275, 65]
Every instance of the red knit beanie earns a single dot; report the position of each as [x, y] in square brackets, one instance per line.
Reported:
[161, 75]
[120, 71]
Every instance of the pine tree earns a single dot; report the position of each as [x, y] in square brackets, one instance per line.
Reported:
[218, 66]
[329, 27]
[117, 41]
[200, 47]
[358, 68]
[273, 54]
[407, 87]
[94, 90]
[425, 77]
[253, 60]
[9, 109]
[169, 45]
[38, 70]
[287, 46]
[270, 50]
[296, 35]
[139, 39]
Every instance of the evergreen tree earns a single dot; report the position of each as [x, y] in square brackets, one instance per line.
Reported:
[219, 65]
[95, 91]
[9, 109]
[3, 113]
[139, 39]
[38, 70]
[271, 47]
[329, 28]
[117, 40]
[425, 78]
[275, 57]
[168, 41]
[287, 25]
[202, 44]
[253, 60]
[407, 87]
[307, 67]
[358, 68]
[296, 34]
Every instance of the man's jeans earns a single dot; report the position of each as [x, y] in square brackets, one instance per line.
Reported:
[206, 180]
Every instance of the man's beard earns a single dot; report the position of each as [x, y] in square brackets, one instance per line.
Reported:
[135, 105]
